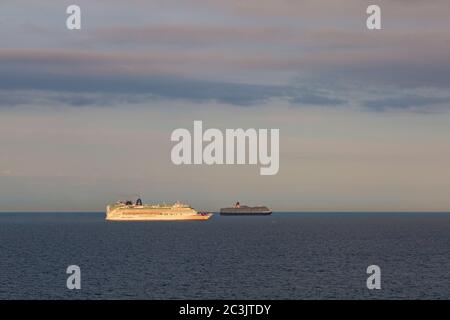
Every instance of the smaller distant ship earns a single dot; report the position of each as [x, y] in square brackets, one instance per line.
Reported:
[240, 210]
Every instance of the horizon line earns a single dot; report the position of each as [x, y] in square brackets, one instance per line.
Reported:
[274, 211]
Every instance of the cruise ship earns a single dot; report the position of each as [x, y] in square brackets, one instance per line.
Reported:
[240, 210]
[129, 211]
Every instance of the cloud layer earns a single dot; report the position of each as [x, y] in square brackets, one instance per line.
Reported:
[238, 53]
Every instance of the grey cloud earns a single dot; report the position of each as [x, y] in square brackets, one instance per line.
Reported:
[13, 98]
[101, 79]
[411, 102]
[79, 91]
[308, 40]
[316, 99]
[78, 86]
[128, 86]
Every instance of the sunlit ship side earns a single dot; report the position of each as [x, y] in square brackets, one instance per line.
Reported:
[148, 212]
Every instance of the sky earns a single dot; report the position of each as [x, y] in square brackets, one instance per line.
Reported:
[364, 115]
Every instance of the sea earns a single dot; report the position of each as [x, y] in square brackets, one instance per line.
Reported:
[282, 256]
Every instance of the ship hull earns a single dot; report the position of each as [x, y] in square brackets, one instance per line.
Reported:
[246, 213]
[142, 213]
[154, 217]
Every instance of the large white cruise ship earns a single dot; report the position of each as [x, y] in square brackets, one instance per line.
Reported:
[129, 211]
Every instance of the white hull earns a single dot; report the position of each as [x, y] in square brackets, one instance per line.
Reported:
[159, 218]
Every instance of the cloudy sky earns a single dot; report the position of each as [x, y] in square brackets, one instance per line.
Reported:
[364, 116]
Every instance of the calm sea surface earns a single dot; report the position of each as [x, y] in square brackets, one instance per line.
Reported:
[283, 256]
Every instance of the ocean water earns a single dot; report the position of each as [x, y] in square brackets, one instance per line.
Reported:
[282, 256]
